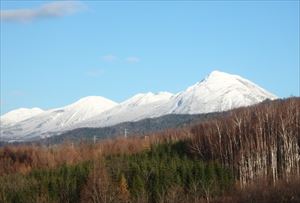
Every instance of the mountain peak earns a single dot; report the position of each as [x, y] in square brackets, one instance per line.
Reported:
[92, 100]
[218, 75]
[214, 78]
[219, 91]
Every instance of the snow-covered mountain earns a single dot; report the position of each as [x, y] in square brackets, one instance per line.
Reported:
[138, 107]
[217, 92]
[54, 120]
[18, 115]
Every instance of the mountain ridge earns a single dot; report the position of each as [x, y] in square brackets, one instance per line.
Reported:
[218, 92]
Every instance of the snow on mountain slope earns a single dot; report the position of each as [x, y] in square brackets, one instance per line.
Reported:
[217, 92]
[87, 107]
[54, 120]
[147, 98]
[136, 108]
[18, 115]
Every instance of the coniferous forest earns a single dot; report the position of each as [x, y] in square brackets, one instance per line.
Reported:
[250, 154]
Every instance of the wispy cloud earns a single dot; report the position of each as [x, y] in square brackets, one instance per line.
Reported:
[95, 73]
[17, 93]
[109, 58]
[132, 59]
[50, 10]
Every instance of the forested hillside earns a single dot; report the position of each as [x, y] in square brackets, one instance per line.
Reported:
[250, 154]
[259, 142]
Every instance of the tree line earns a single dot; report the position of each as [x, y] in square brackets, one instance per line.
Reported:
[249, 154]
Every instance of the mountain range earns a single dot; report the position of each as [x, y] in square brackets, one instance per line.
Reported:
[218, 92]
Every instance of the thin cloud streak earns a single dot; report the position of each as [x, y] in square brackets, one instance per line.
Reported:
[133, 59]
[50, 10]
[109, 58]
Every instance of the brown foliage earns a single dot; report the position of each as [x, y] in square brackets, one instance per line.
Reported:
[258, 143]
[24, 158]
[123, 190]
[261, 141]
[260, 191]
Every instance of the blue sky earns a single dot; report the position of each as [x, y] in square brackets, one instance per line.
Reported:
[53, 53]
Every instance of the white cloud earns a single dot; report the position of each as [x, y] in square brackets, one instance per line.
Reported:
[49, 10]
[109, 58]
[132, 59]
[94, 73]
